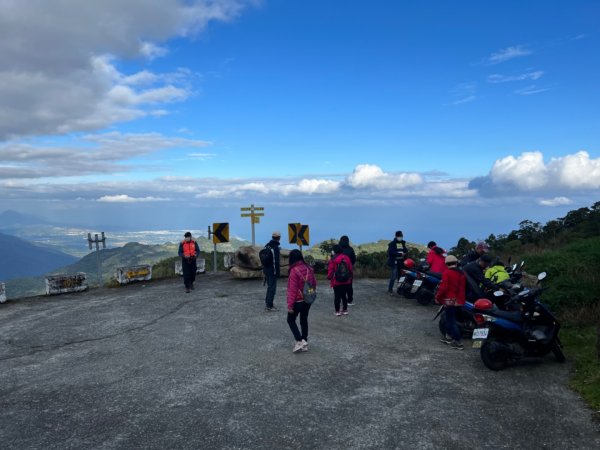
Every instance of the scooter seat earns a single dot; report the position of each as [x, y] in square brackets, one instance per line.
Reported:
[435, 274]
[513, 316]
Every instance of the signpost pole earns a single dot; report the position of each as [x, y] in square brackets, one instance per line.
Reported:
[252, 220]
[210, 233]
[97, 241]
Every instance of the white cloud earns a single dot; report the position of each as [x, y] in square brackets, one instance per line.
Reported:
[531, 90]
[526, 171]
[58, 69]
[92, 154]
[508, 54]
[123, 198]
[463, 93]
[556, 201]
[497, 78]
[529, 173]
[372, 176]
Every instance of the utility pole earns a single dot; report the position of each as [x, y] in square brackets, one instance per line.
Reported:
[254, 217]
[97, 241]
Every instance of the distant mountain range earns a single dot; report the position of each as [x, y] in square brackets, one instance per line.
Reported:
[21, 258]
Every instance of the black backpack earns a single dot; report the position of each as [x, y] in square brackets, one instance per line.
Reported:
[342, 273]
[266, 257]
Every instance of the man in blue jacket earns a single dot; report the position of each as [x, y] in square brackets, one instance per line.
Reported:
[272, 271]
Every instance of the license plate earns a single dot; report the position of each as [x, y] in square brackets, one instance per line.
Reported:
[401, 280]
[416, 285]
[480, 333]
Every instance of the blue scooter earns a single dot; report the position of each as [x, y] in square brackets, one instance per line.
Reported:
[509, 336]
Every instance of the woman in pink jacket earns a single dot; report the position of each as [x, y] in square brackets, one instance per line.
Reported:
[298, 274]
[339, 272]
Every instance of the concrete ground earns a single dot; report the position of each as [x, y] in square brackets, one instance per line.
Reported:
[148, 366]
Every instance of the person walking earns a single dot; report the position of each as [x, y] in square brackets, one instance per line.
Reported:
[299, 273]
[451, 294]
[396, 254]
[349, 252]
[339, 271]
[272, 270]
[188, 251]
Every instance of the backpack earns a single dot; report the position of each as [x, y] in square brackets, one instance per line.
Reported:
[309, 293]
[342, 273]
[266, 257]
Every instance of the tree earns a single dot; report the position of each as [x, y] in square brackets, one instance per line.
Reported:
[462, 247]
[326, 247]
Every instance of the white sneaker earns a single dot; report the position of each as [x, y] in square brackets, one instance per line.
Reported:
[304, 345]
[298, 347]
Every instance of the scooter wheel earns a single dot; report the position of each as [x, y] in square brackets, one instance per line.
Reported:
[406, 292]
[494, 355]
[557, 351]
[424, 297]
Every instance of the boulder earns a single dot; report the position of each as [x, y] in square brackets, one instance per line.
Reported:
[247, 263]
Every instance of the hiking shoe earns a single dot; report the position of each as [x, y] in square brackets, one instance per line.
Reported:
[446, 340]
[298, 347]
[345, 312]
[270, 309]
[192, 286]
[391, 293]
[304, 345]
[187, 291]
[457, 345]
[350, 303]
[337, 313]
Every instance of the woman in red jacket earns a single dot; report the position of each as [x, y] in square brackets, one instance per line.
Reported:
[339, 272]
[298, 274]
[436, 258]
[451, 293]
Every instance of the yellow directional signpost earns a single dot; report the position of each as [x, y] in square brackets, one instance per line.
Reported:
[254, 217]
[293, 232]
[220, 235]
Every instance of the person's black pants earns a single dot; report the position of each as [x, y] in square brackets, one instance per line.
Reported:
[271, 289]
[340, 295]
[351, 292]
[300, 308]
[188, 267]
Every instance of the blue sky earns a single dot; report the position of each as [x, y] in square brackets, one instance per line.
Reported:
[443, 119]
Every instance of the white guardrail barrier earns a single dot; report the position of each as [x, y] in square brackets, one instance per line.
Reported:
[2, 293]
[200, 266]
[63, 283]
[125, 275]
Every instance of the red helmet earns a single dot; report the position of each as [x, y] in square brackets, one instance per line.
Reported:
[409, 263]
[483, 303]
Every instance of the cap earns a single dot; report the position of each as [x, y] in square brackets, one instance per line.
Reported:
[187, 234]
[276, 234]
[482, 246]
[399, 234]
[451, 259]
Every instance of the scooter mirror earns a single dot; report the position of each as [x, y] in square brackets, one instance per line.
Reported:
[514, 267]
[498, 293]
[522, 264]
[541, 276]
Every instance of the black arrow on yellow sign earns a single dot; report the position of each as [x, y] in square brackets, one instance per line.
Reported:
[293, 232]
[220, 233]
[303, 235]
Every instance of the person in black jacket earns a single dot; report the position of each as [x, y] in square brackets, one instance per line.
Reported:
[396, 254]
[272, 272]
[188, 251]
[349, 252]
[476, 280]
[474, 253]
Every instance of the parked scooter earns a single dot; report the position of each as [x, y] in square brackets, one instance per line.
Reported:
[503, 299]
[407, 276]
[426, 286]
[508, 336]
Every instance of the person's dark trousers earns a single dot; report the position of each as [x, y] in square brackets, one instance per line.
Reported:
[393, 278]
[188, 268]
[271, 289]
[451, 326]
[340, 295]
[351, 292]
[301, 308]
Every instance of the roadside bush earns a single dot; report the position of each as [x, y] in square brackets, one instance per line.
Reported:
[372, 265]
[572, 274]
